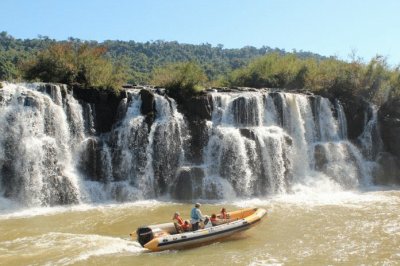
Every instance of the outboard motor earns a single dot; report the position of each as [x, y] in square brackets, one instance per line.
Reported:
[144, 235]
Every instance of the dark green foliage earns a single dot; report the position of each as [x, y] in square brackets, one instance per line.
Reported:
[8, 68]
[89, 64]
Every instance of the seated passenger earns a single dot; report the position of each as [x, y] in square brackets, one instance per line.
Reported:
[180, 224]
[186, 227]
[223, 215]
[213, 219]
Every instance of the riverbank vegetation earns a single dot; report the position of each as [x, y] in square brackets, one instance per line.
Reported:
[374, 81]
[74, 64]
[181, 80]
[186, 69]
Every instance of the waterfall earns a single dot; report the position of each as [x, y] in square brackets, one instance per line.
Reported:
[41, 128]
[266, 142]
[140, 159]
[259, 143]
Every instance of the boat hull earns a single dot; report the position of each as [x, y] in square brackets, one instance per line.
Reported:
[240, 221]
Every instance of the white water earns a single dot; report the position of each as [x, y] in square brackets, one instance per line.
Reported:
[262, 147]
[37, 145]
[284, 152]
[260, 143]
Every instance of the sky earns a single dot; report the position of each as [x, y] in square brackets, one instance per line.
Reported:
[328, 27]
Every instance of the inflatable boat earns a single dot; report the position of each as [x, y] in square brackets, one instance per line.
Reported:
[166, 236]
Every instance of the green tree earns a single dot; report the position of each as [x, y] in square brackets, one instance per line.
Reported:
[8, 70]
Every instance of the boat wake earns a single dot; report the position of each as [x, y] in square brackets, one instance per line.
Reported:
[62, 249]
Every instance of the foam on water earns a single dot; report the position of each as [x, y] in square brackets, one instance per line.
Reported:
[62, 248]
[23, 212]
[266, 262]
[309, 198]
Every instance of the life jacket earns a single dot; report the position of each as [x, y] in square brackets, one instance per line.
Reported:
[182, 223]
[180, 220]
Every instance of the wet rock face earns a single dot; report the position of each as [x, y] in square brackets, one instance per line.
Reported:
[188, 183]
[147, 102]
[198, 107]
[389, 120]
[197, 111]
[245, 112]
[355, 110]
[387, 172]
[248, 133]
[90, 163]
[320, 157]
[198, 140]
[105, 104]
[60, 191]
[148, 107]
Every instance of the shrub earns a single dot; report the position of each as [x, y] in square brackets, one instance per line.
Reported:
[183, 79]
[374, 81]
[273, 71]
[68, 63]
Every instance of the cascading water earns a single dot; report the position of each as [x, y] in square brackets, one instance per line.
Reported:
[269, 142]
[139, 159]
[259, 143]
[39, 136]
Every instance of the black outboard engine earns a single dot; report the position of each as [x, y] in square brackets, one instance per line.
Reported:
[144, 235]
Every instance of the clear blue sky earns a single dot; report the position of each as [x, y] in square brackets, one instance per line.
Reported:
[327, 27]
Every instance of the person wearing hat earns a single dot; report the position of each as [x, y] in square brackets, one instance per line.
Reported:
[196, 216]
[180, 225]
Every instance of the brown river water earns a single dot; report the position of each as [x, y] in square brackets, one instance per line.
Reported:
[341, 228]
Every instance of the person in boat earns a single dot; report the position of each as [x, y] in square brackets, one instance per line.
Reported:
[180, 224]
[223, 214]
[196, 217]
[214, 219]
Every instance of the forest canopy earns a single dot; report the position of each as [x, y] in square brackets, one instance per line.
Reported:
[192, 67]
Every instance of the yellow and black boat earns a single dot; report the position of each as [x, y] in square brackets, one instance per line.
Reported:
[166, 236]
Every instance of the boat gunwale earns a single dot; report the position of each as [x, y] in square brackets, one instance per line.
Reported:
[207, 233]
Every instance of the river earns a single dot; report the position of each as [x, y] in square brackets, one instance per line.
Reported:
[340, 228]
[286, 152]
